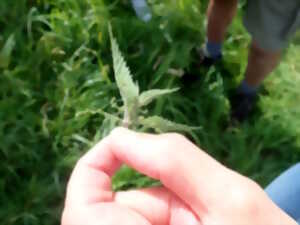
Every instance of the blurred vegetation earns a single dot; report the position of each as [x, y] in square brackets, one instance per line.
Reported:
[55, 61]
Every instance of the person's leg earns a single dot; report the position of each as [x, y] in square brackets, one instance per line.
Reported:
[270, 24]
[219, 15]
[285, 191]
[260, 64]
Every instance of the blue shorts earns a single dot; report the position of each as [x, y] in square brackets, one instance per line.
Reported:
[285, 192]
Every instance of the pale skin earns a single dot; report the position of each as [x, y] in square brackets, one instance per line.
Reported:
[197, 190]
[260, 62]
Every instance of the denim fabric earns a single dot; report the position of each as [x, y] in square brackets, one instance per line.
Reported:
[285, 191]
[142, 9]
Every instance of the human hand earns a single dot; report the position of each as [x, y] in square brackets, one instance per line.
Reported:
[197, 190]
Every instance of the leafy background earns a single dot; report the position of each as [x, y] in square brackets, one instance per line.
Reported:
[55, 62]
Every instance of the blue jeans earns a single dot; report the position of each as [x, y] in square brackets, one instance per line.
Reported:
[285, 191]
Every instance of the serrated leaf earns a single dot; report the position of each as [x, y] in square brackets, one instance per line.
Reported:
[162, 125]
[98, 111]
[148, 96]
[128, 89]
[5, 54]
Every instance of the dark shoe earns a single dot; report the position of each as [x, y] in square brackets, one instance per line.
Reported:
[207, 61]
[242, 106]
[199, 65]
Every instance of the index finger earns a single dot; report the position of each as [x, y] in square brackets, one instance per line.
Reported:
[90, 181]
[191, 174]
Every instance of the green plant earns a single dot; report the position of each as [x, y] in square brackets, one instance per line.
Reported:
[134, 101]
[58, 95]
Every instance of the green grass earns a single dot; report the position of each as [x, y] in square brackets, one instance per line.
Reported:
[56, 62]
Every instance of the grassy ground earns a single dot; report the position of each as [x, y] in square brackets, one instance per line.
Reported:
[56, 62]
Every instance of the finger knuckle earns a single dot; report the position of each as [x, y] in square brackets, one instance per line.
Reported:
[176, 138]
[173, 141]
[171, 145]
[244, 197]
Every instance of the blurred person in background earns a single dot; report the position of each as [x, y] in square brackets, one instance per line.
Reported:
[142, 10]
[271, 23]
